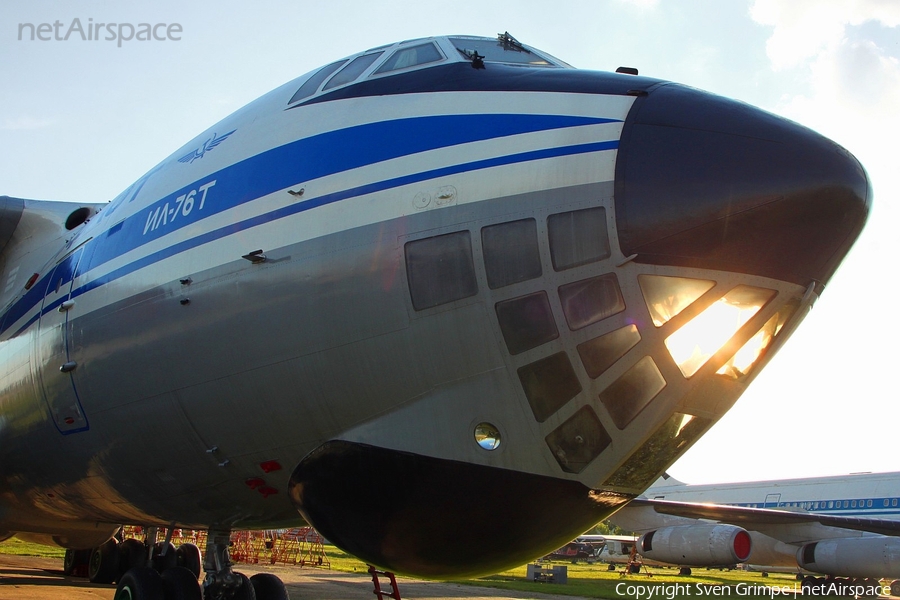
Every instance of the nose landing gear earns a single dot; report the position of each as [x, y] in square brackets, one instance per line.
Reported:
[172, 574]
[223, 583]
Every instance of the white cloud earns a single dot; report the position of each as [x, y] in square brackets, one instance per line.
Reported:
[25, 122]
[851, 87]
[851, 78]
[852, 97]
[805, 28]
[843, 80]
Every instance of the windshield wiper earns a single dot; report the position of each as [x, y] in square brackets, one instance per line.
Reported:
[510, 43]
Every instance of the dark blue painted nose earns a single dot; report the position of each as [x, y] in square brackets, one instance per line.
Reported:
[703, 181]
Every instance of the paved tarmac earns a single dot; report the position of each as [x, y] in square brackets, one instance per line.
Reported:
[32, 578]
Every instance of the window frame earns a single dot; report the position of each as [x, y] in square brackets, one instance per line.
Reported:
[375, 56]
[377, 73]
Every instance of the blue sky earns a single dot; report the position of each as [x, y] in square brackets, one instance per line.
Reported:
[81, 120]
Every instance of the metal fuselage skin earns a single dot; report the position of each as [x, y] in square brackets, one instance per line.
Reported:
[863, 496]
[161, 370]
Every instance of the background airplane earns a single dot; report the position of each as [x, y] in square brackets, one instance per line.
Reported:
[842, 526]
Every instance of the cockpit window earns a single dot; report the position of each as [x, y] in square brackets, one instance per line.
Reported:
[505, 50]
[353, 70]
[312, 84]
[411, 57]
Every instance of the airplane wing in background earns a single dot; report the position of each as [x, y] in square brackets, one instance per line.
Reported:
[765, 518]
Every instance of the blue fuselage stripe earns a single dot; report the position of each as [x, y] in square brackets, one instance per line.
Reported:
[320, 156]
[302, 161]
[878, 508]
[287, 211]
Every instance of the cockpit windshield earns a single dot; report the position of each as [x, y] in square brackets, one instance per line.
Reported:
[504, 49]
[353, 70]
[411, 57]
[423, 53]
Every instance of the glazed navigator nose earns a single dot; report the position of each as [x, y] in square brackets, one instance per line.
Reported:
[703, 181]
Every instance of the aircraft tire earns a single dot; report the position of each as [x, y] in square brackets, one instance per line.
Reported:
[140, 583]
[75, 559]
[895, 587]
[189, 557]
[246, 591]
[181, 584]
[268, 587]
[163, 562]
[132, 553]
[104, 563]
[69, 562]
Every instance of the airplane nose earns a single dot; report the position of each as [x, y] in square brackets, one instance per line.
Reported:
[704, 181]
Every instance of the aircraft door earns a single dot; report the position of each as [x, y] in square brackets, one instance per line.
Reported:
[55, 363]
[772, 500]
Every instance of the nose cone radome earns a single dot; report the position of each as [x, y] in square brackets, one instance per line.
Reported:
[436, 518]
[703, 181]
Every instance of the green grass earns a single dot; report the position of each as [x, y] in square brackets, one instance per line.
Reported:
[346, 563]
[20, 548]
[589, 581]
[595, 581]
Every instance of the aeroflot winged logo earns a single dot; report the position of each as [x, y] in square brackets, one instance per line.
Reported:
[206, 147]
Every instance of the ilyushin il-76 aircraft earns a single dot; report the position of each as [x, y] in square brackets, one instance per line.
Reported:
[444, 289]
